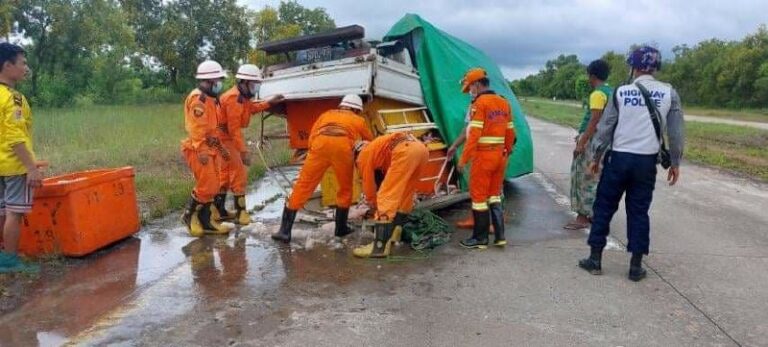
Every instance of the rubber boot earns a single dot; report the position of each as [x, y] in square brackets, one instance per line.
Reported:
[381, 247]
[593, 263]
[210, 225]
[191, 218]
[469, 223]
[479, 239]
[636, 271]
[241, 213]
[342, 229]
[221, 213]
[286, 224]
[399, 233]
[497, 221]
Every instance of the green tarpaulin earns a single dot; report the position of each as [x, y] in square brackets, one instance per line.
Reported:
[442, 61]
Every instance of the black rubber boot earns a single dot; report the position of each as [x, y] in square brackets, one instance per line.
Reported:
[205, 217]
[219, 202]
[186, 218]
[241, 216]
[286, 224]
[593, 263]
[497, 220]
[479, 237]
[399, 221]
[381, 247]
[636, 271]
[342, 229]
[191, 218]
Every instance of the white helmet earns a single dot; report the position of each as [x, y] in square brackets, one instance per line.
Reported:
[352, 101]
[209, 70]
[249, 72]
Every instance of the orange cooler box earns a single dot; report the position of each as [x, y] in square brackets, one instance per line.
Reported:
[79, 213]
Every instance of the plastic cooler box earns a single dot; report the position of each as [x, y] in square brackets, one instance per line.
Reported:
[79, 213]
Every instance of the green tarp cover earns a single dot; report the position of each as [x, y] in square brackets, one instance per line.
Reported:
[442, 61]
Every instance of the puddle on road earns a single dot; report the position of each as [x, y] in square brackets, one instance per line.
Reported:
[162, 275]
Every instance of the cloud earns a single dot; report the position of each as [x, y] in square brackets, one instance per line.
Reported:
[522, 35]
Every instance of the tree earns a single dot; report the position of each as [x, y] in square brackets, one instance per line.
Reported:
[289, 20]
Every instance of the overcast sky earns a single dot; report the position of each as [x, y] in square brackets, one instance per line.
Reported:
[522, 35]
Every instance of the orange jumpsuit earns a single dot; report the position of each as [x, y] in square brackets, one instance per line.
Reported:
[201, 115]
[401, 158]
[490, 138]
[237, 110]
[330, 145]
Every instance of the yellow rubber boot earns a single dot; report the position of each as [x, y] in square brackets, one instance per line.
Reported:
[381, 247]
[241, 213]
[195, 228]
[210, 225]
[191, 218]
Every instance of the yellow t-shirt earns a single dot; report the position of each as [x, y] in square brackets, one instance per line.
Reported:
[598, 100]
[15, 128]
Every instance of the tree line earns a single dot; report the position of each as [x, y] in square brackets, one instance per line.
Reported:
[713, 73]
[140, 51]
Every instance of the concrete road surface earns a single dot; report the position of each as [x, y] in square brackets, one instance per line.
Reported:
[706, 286]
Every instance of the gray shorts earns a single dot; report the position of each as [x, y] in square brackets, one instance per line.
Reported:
[15, 195]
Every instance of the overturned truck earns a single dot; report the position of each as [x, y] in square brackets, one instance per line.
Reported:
[322, 68]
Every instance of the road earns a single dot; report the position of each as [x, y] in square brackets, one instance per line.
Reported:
[688, 117]
[706, 285]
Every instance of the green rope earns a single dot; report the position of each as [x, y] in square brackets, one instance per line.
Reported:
[426, 230]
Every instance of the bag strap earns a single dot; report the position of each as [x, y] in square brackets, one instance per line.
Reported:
[655, 114]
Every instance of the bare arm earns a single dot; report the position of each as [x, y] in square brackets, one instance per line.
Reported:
[34, 177]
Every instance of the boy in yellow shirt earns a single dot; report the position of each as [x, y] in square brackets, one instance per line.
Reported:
[19, 174]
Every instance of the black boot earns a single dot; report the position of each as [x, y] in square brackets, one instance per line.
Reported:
[381, 247]
[479, 237]
[399, 222]
[636, 271]
[186, 218]
[593, 263]
[241, 216]
[342, 229]
[286, 224]
[191, 218]
[497, 220]
[219, 202]
[205, 216]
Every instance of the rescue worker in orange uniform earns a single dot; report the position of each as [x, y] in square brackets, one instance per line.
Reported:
[238, 106]
[490, 138]
[331, 141]
[400, 159]
[202, 149]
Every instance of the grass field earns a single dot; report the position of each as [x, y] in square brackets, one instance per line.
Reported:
[750, 115]
[735, 148]
[145, 137]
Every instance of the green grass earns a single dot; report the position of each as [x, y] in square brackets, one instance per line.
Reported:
[146, 137]
[735, 148]
[749, 115]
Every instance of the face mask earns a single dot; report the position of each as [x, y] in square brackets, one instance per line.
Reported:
[254, 88]
[216, 89]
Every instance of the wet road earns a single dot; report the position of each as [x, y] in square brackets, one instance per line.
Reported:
[163, 288]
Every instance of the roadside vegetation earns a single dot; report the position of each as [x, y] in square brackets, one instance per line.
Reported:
[734, 148]
[714, 77]
[146, 137]
[749, 115]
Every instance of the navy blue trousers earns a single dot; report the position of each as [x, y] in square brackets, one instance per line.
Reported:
[635, 175]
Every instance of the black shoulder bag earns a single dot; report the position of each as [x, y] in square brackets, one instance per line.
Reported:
[664, 157]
